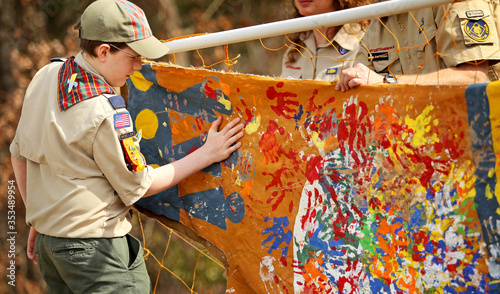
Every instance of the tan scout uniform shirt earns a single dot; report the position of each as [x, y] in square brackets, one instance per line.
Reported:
[325, 62]
[412, 39]
[78, 185]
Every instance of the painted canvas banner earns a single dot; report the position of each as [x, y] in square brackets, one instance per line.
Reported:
[382, 189]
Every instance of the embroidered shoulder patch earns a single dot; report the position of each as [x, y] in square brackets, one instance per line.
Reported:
[478, 30]
[122, 120]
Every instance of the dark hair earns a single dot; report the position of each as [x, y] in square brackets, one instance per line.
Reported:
[332, 31]
[89, 46]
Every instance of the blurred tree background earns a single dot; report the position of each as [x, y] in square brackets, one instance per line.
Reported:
[33, 31]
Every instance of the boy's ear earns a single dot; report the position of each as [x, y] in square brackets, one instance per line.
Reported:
[102, 52]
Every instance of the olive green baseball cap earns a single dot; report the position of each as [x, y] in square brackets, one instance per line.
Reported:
[122, 22]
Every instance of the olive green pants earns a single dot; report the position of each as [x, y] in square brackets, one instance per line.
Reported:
[95, 265]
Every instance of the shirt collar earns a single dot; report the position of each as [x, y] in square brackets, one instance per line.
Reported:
[344, 37]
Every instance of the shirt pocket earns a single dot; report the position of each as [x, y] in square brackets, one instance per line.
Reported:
[383, 58]
[477, 26]
[330, 74]
[425, 40]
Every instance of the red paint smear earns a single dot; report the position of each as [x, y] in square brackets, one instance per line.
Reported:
[281, 108]
[313, 166]
[208, 91]
[311, 106]
[310, 214]
[278, 195]
[353, 281]
[417, 256]
[452, 267]
[248, 113]
[353, 128]
[268, 143]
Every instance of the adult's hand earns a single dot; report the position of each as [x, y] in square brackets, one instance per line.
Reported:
[360, 74]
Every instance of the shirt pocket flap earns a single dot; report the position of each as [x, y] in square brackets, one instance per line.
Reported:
[425, 36]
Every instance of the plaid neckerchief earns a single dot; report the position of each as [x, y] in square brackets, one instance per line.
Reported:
[75, 85]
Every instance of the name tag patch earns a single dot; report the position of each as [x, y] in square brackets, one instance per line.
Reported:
[122, 120]
[127, 135]
[379, 56]
[474, 13]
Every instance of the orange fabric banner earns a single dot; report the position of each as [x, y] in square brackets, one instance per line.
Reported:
[382, 188]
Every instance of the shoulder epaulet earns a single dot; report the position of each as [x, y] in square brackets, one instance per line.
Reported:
[58, 59]
[117, 101]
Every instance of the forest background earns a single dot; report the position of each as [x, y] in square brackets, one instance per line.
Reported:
[33, 31]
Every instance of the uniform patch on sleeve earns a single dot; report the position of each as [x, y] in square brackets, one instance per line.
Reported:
[477, 30]
[122, 120]
[134, 159]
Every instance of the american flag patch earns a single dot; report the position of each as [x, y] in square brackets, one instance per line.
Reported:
[122, 120]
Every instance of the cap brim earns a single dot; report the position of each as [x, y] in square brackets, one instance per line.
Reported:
[150, 48]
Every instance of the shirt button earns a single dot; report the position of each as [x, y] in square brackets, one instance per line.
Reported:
[408, 55]
[71, 252]
[403, 26]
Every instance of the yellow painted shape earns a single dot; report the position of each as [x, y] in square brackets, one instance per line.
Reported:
[148, 122]
[225, 102]
[375, 178]
[253, 126]
[317, 142]
[140, 82]
[488, 193]
[421, 125]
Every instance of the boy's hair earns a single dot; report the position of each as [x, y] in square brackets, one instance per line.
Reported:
[89, 46]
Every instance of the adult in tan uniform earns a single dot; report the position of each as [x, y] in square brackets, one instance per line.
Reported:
[449, 44]
[322, 54]
[77, 162]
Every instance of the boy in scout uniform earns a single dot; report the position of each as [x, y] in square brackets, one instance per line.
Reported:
[448, 44]
[77, 160]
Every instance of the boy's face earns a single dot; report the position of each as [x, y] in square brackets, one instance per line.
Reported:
[117, 67]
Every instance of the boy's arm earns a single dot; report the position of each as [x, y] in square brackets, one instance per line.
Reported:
[20, 174]
[219, 145]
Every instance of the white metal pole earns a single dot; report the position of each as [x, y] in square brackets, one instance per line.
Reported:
[300, 24]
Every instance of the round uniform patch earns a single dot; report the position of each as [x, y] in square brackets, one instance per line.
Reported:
[478, 30]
